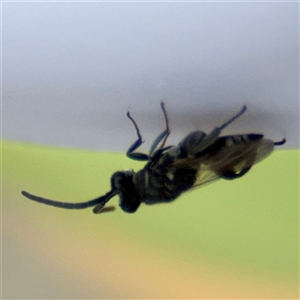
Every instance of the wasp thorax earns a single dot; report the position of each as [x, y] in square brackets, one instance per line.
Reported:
[121, 179]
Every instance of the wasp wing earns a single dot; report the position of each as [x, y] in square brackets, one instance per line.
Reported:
[212, 165]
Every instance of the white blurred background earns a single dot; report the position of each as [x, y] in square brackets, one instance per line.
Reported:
[72, 70]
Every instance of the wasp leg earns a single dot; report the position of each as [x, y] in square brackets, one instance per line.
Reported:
[198, 141]
[228, 172]
[211, 138]
[164, 135]
[230, 175]
[136, 144]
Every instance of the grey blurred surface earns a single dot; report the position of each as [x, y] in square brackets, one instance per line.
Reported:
[71, 71]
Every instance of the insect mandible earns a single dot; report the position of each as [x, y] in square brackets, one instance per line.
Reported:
[198, 159]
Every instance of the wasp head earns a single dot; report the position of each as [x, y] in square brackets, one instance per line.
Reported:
[122, 183]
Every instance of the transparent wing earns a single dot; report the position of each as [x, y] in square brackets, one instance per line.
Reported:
[233, 158]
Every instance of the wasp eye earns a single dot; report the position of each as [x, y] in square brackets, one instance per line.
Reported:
[120, 179]
[116, 180]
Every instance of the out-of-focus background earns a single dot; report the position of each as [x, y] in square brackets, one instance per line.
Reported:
[70, 72]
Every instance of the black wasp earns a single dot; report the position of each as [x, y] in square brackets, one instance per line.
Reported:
[171, 170]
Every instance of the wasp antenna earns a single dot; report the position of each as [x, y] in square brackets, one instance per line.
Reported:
[101, 209]
[66, 205]
[280, 142]
[108, 209]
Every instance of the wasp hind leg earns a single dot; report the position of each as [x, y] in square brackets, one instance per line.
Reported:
[212, 137]
[229, 172]
[230, 175]
[198, 141]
